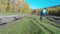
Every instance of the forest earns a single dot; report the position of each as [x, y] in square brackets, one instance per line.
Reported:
[14, 6]
[52, 10]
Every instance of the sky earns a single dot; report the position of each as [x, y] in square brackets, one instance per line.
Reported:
[34, 4]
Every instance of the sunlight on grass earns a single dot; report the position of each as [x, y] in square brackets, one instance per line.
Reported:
[9, 13]
[29, 25]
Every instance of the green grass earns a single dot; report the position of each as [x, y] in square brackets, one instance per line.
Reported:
[41, 30]
[8, 13]
[29, 25]
[52, 23]
[19, 27]
[53, 29]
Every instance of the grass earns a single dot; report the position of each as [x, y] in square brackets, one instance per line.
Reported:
[29, 25]
[41, 30]
[52, 29]
[8, 13]
[53, 23]
[18, 27]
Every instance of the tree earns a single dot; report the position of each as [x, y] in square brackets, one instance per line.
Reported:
[14, 6]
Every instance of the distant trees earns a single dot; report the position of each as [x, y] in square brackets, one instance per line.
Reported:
[36, 10]
[53, 10]
[25, 9]
[14, 6]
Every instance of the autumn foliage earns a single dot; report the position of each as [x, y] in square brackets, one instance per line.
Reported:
[14, 6]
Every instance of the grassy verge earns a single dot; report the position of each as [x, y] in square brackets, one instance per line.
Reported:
[29, 25]
[22, 26]
[49, 27]
[41, 30]
[8, 13]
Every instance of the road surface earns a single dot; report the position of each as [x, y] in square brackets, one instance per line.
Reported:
[5, 19]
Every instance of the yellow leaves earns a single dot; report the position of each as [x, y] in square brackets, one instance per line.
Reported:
[5, 10]
[53, 9]
[1, 5]
[5, 6]
[11, 6]
[22, 8]
[18, 2]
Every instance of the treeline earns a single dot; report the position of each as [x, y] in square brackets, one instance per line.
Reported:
[54, 10]
[36, 11]
[14, 6]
